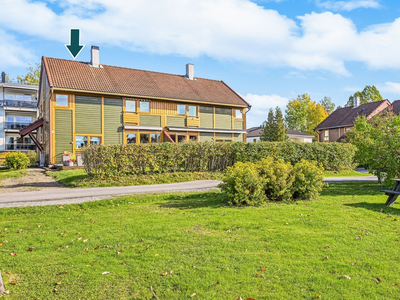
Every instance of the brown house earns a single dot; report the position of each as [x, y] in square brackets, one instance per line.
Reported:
[334, 127]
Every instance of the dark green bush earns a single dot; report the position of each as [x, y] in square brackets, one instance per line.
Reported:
[17, 160]
[269, 179]
[118, 160]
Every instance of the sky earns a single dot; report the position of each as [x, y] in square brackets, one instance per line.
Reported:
[268, 51]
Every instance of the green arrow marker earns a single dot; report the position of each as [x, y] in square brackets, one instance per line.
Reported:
[74, 48]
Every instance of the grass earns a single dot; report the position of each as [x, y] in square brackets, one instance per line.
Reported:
[277, 251]
[345, 173]
[79, 178]
[8, 173]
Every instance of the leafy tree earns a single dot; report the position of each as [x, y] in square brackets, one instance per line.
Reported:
[367, 95]
[32, 76]
[378, 144]
[274, 129]
[304, 115]
[328, 105]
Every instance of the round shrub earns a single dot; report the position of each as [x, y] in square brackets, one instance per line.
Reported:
[17, 160]
[308, 177]
[276, 177]
[243, 185]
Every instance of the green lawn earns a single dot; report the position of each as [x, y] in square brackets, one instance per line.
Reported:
[8, 173]
[345, 173]
[277, 251]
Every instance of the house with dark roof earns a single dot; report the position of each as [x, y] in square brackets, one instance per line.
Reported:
[254, 133]
[334, 127]
[84, 103]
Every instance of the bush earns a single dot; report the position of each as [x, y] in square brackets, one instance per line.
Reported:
[120, 160]
[243, 185]
[276, 180]
[17, 160]
[32, 157]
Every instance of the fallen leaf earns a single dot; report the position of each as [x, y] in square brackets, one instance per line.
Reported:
[13, 282]
[259, 275]
[317, 297]
[326, 257]
[192, 295]
[327, 246]
[250, 298]
[170, 272]
[240, 298]
[104, 273]
[396, 283]
[156, 254]
[163, 274]
[13, 253]
[85, 241]
[262, 269]
[378, 280]
[1, 244]
[353, 264]
[55, 290]
[348, 277]
[359, 237]
[217, 283]
[59, 282]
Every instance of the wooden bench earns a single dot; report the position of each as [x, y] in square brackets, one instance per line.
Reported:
[393, 193]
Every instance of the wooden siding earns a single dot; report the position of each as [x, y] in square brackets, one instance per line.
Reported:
[193, 122]
[206, 136]
[223, 118]
[162, 108]
[238, 137]
[113, 121]
[206, 114]
[176, 121]
[219, 135]
[87, 114]
[131, 118]
[238, 125]
[63, 133]
[146, 120]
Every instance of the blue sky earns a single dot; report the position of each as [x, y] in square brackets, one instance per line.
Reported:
[269, 51]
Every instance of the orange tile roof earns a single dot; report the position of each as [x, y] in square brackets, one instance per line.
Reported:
[75, 75]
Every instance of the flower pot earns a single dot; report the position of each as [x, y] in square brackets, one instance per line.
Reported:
[65, 158]
[71, 164]
[79, 160]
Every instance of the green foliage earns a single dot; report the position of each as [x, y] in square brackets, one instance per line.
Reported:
[32, 76]
[378, 144]
[32, 157]
[113, 161]
[274, 129]
[303, 114]
[328, 105]
[17, 160]
[275, 180]
[243, 185]
[367, 95]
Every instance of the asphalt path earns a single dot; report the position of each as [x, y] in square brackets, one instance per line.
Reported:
[69, 196]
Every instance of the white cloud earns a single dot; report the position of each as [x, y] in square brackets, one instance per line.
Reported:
[261, 105]
[237, 30]
[12, 52]
[349, 5]
[389, 87]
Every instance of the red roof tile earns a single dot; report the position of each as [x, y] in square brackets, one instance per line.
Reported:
[75, 75]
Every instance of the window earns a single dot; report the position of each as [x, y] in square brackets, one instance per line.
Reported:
[144, 106]
[95, 140]
[347, 129]
[238, 114]
[181, 109]
[80, 141]
[144, 138]
[130, 105]
[131, 138]
[193, 138]
[181, 138]
[254, 140]
[156, 138]
[192, 111]
[61, 100]
[326, 135]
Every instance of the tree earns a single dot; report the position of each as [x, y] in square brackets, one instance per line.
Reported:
[303, 114]
[327, 104]
[274, 129]
[33, 75]
[367, 95]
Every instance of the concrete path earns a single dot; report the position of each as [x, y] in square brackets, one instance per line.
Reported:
[351, 178]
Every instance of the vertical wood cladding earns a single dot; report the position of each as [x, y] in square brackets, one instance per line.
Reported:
[223, 118]
[63, 133]
[88, 114]
[113, 121]
[206, 114]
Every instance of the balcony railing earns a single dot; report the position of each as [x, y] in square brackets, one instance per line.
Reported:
[19, 147]
[19, 104]
[15, 125]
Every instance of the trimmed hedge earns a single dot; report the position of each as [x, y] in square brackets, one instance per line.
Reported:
[119, 160]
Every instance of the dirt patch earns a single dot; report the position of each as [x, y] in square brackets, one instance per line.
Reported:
[34, 180]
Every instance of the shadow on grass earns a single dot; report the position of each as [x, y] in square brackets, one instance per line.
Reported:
[198, 200]
[377, 207]
[353, 188]
[72, 181]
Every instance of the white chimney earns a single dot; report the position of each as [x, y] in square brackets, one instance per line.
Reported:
[190, 71]
[356, 102]
[95, 57]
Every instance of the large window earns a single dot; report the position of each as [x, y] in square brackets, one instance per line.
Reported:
[238, 114]
[131, 138]
[181, 109]
[144, 106]
[130, 106]
[326, 135]
[144, 138]
[61, 100]
[192, 111]
[156, 138]
[82, 140]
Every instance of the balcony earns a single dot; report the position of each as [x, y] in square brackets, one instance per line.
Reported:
[19, 104]
[19, 147]
[15, 125]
